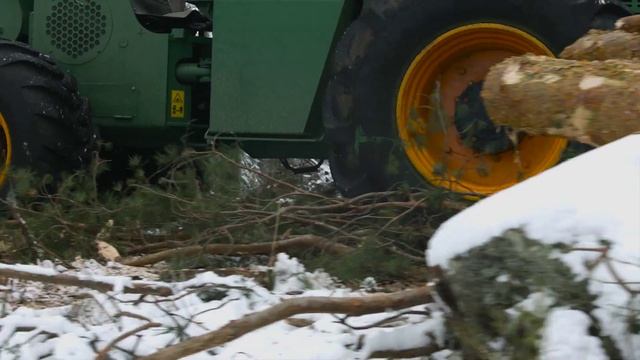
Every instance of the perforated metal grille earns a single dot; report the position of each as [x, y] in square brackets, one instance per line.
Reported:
[634, 5]
[76, 27]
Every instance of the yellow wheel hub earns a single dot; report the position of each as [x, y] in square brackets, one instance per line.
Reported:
[426, 103]
[5, 149]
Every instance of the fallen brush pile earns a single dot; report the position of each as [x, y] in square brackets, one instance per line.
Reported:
[197, 263]
[199, 212]
[110, 316]
[200, 209]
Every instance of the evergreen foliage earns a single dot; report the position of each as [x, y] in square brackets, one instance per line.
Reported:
[493, 281]
[213, 197]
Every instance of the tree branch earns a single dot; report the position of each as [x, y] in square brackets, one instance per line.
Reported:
[354, 306]
[104, 353]
[298, 242]
[405, 354]
[68, 280]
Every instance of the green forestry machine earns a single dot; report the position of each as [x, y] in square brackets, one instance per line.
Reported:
[387, 90]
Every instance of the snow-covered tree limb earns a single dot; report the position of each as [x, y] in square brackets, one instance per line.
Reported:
[132, 287]
[290, 307]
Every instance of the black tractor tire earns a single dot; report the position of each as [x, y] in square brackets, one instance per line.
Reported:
[371, 58]
[47, 124]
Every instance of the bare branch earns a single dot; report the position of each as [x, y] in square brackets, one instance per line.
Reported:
[354, 306]
[104, 353]
[405, 354]
[298, 242]
[68, 280]
[382, 322]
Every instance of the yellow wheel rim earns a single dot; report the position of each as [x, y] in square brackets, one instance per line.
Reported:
[425, 110]
[5, 149]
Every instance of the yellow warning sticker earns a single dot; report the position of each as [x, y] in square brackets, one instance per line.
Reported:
[177, 103]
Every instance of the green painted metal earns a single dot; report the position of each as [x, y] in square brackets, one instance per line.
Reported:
[194, 73]
[264, 84]
[268, 61]
[278, 148]
[634, 5]
[77, 31]
[124, 69]
[11, 18]
[179, 48]
[259, 81]
[27, 8]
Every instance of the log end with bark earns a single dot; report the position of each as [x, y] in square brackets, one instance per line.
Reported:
[604, 45]
[593, 102]
[629, 24]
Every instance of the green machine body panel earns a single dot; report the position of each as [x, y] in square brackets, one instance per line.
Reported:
[633, 5]
[120, 66]
[268, 60]
[257, 79]
[11, 17]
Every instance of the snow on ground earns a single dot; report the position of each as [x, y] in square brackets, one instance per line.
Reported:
[566, 336]
[582, 202]
[587, 203]
[90, 320]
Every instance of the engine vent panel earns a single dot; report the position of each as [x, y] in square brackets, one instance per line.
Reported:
[634, 5]
[78, 29]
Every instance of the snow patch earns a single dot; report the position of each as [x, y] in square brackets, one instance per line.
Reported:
[75, 331]
[566, 336]
[512, 75]
[565, 204]
[290, 276]
[579, 203]
[537, 303]
[550, 78]
[580, 120]
[419, 335]
[70, 347]
[590, 82]
[34, 269]
[369, 284]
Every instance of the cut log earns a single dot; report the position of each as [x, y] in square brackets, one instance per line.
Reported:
[629, 24]
[592, 102]
[604, 45]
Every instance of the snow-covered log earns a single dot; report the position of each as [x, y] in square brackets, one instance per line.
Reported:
[50, 276]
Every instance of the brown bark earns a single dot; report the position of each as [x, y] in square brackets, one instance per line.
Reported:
[69, 280]
[296, 243]
[104, 353]
[604, 45]
[629, 24]
[592, 102]
[354, 306]
[406, 354]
